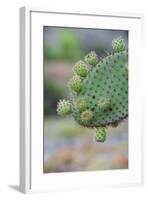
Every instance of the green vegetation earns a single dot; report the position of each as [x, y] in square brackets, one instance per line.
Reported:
[52, 93]
[68, 48]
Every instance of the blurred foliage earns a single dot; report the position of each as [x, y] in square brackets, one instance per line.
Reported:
[70, 45]
[51, 53]
[52, 93]
[69, 48]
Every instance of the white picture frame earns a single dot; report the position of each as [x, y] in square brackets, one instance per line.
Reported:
[32, 178]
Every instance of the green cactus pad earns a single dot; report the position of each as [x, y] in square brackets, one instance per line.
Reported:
[105, 80]
[114, 125]
[125, 72]
[100, 134]
[100, 97]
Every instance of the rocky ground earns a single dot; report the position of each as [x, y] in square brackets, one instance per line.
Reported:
[69, 147]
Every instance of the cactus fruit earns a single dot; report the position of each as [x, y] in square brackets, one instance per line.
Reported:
[86, 116]
[75, 84]
[81, 104]
[104, 103]
[64, 107]
[118, 44]
[91, 58]
[99, 90]
[80, 69]
[100, 134]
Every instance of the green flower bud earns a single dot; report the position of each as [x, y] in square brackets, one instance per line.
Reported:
[118, 44]
[87, 115]
[63, 107]
[81, 104]
[91, 58]
[104, 103]
[75, 84]
[80, 69]
[100, 134]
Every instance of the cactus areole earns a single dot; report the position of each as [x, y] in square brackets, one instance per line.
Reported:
[99, 90]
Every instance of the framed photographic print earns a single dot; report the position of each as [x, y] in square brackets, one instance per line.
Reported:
[80, 100]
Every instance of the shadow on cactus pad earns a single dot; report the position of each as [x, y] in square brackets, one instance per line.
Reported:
[99, 90]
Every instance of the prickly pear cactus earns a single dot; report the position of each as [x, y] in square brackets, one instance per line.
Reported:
[99, 90]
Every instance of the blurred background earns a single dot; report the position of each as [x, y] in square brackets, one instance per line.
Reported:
[67, 146]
